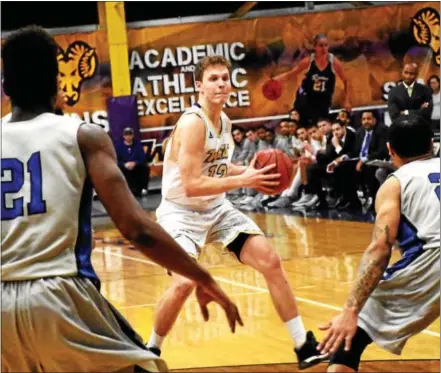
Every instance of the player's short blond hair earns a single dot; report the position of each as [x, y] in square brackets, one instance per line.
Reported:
[208, 61]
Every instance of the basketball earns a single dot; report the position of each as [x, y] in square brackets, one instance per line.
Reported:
[284, 166]
[272, 89]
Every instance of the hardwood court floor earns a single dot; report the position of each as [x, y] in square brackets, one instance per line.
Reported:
[321, 258]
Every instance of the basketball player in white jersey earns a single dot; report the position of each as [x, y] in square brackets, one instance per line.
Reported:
[391, 304]
[197, 173]
[53, 317]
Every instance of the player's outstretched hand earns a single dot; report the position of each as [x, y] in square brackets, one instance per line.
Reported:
[213, 292]
[342, 328]
[259, 179]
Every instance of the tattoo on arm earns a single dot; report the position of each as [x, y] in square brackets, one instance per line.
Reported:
[372, 267]
[378, 231]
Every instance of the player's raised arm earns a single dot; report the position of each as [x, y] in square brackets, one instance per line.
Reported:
[191, 157]
[132, 220]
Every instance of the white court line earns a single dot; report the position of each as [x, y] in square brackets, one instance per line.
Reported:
[127, 257]
[154, 304]
[137, 306]
[251, 287]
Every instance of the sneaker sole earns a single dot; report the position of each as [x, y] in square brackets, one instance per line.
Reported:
[313, 360]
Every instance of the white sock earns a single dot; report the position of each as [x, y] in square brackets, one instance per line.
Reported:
[297, 331]
[155, 340]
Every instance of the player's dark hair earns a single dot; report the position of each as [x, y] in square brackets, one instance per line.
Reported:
[410, 136]
[317, 38]
[30, 67]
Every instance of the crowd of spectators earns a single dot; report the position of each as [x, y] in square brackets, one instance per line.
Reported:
[339, 161]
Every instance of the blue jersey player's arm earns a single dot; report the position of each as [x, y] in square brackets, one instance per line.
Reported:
[133, 222]
[373, 264]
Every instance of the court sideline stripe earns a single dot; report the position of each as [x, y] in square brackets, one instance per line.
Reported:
[245, 286]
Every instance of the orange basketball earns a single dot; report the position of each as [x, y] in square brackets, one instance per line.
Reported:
[284, 166]
[272, 89]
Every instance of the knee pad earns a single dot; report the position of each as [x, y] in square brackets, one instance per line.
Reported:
[352, 357]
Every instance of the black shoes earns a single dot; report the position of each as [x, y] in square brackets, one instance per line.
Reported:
[155, 350]
[308, 355]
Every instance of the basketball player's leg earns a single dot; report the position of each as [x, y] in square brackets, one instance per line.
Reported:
[258, 253]
[377, 320]
[349, 361]
[171, 303]
[245, 239]
[169, 307]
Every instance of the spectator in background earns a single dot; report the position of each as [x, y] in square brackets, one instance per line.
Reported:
[344, 116]
[249, 193]
[252, 136]
[311, 142]
[294, 115]
[292, 125]
[410, 97]
[261, 133]
[325, 126]
[317, 139]
[298, 142]
[268, 142]
[342, 144]
[370, 144]
[283, 138]
[132, 162]
[433, 83]
[243, 150]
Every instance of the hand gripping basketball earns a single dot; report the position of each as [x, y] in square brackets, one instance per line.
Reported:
[282, 166]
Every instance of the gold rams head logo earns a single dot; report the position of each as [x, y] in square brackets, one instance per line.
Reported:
[425, 29]
[77, 64]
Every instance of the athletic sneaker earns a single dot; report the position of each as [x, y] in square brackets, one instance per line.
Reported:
[155, 350]
[307, 355]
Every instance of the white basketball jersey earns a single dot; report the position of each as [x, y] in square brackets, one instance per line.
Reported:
[420, 205]
[46, 200]
[218, 151]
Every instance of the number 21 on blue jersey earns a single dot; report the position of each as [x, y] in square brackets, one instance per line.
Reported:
[13, 183]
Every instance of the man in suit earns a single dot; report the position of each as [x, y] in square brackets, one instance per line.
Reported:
[340, 146]
[410, 97]
[370, 144]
